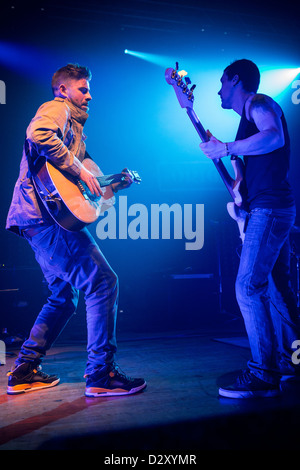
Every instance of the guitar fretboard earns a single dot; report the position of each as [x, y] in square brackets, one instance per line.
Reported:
[106, 180]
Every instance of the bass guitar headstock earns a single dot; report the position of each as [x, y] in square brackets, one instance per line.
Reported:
[180, 82]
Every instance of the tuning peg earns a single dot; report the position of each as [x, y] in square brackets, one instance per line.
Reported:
[187, 82]
[175, 70]
[191, 96]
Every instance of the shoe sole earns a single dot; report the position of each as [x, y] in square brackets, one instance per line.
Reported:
[103, 392]
[248, 394]
[24, 388]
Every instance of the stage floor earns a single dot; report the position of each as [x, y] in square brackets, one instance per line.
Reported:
[180, 410]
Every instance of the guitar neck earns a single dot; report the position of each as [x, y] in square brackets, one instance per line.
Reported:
[197, 124]
[228, 181]
[106, 180]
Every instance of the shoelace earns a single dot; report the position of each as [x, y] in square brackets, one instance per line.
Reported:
[245, 377]
[38, 370]
[116, 370]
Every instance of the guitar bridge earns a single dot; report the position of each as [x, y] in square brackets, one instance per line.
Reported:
[82, 189]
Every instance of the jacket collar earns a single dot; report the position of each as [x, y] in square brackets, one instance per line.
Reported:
[78, 114]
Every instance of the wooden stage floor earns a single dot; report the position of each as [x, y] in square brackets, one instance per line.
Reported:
[180, 411]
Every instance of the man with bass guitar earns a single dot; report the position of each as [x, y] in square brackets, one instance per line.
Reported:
[263, 290]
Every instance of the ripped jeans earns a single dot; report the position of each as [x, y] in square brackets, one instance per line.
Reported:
[72, 262]
[264, 294]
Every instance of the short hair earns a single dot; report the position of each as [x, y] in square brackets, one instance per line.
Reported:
[69, 71]
[248, 73]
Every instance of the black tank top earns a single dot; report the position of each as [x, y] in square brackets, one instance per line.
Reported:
[266, 176]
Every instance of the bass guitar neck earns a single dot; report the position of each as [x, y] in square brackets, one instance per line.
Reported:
[227, 179]
[185, 97]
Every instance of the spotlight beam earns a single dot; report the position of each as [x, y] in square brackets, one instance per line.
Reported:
[275, 82]
[156, 59]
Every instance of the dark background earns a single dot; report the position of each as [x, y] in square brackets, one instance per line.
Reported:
[136, 121]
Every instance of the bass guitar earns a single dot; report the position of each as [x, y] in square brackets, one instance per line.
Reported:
[68, 199]
[185, 96]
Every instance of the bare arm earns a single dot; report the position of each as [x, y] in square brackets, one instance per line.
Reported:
[266, 114]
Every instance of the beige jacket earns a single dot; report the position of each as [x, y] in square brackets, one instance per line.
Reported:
[56, 132]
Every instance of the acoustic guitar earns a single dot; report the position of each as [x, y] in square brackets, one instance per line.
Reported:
[68, 199]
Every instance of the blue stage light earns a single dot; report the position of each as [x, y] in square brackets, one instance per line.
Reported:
[157, 59]
[275, 82]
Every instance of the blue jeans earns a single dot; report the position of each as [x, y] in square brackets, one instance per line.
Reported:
[264, 294]
[72, 262]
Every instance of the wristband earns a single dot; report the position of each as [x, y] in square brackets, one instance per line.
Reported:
[226, 149]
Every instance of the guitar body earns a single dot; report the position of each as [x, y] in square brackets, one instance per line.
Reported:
[62, 195]
[235, 209]
[239, 215]
[68, 200]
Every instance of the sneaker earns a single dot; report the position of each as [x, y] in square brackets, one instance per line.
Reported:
[249, 386]
[109, 381]
[290, 383]
[26, 378]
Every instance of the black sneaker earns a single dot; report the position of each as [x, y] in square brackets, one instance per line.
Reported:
[26, 378]
[249, 386]
[109, 381]
[290, 383]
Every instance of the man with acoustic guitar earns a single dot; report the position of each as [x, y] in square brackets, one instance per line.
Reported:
[263, 290]
[71, 261]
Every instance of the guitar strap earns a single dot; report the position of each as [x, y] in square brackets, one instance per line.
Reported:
[31, 171]
[28, 156]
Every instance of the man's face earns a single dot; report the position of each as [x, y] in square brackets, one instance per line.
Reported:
[78, 92]
[226, 92]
